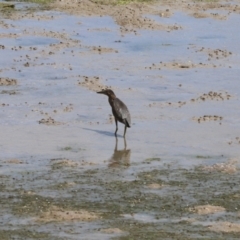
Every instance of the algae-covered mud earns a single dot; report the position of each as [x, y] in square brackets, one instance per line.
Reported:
[63, 173]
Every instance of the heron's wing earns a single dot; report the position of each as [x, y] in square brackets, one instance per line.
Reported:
[121, 112]
[127, 118]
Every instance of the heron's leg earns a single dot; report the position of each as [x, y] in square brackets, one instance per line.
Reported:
[125, 144]
[125, 129]
[116, 127]
[116, 145]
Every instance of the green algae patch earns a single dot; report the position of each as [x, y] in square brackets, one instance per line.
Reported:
[45, 2]
[66, 149]
[72, 149]
[149, 160]
[24, 234]
[203, 157]
[121, 2]
[4, 5]
[125, 2]
[7, 8]
[153, 204]
[62, 185]
[31, 205]
[208, 1]
[63, 163]
[215, 188]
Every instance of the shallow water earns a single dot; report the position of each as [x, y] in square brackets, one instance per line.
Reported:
[163, 146]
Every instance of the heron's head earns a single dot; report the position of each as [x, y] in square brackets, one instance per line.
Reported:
[108, 92]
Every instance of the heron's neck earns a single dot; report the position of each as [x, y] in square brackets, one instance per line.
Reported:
[111, 99]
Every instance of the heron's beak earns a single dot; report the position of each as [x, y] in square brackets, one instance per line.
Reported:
[102, 92]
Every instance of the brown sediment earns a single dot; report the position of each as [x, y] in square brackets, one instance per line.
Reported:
[112, 230]
[207, 209]
[7, 81]
[207, 118]
[49, 121]
[155, 186]
[179, 65]
[92, 83]
[225, 227]
[229, 167]
[56, 214]
[14, 161]
[65, 162]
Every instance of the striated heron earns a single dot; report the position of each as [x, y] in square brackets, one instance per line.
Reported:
[119, 110]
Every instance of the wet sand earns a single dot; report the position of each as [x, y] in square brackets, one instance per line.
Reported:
[63, 173]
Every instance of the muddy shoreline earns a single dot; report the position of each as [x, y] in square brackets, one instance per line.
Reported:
[63, 173]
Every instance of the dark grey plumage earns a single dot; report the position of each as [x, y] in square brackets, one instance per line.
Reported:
[119, 110]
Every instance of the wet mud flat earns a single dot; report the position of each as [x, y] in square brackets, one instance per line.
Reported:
[116, 203]
[63, 173]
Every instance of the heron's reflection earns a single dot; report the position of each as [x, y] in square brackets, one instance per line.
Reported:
[120, 158]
